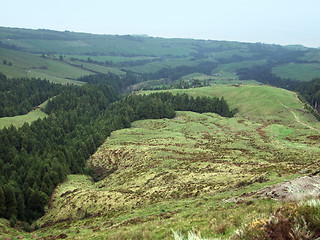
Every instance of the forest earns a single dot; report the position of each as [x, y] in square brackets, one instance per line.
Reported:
[37, 157]
[19, 96]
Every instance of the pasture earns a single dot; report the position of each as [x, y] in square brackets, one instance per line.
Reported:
[182, 173]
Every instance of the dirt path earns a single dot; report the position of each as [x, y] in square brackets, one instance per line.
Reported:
[296, 117]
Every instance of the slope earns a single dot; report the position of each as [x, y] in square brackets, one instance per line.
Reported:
[178, 174]
[142, 55]
[31, 65]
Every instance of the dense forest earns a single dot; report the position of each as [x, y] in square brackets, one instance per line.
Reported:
[36, 157]
[19, 96]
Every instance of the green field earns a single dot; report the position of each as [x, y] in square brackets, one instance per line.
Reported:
[298, 71]
[172, 175]
[181, 174]
[18, 121]
[218, 78]
[30, 117]
[233, 67]
[30, 65]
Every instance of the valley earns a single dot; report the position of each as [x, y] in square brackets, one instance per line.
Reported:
[108, 147]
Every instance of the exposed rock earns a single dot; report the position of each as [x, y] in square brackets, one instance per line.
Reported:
[293, 190]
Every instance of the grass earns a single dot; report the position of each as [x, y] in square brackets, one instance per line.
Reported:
[184, 173]
[165, 63]
[97, 68]
[313, 55]
[31, 65]
[298, 71]
[219, 78]
[113, 59]
[233, 67]
[18, 121]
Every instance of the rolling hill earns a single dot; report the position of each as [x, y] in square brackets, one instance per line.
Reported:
[65, 56]
[155, 178]
[182, 173]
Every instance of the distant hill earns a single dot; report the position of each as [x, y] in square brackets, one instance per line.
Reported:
[100, 157]
[65, 56]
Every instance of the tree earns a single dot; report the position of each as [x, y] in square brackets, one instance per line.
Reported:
[2, 203]
[11, 202]
[37, 201]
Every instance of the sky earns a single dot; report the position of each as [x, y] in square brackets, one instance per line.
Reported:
[268, 21]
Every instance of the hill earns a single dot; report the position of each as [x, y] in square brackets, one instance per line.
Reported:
[65, 56]
[183, 173]
[151, 178]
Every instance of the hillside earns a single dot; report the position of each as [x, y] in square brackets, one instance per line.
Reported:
[178, 174]
[102, 151]
[65, 56]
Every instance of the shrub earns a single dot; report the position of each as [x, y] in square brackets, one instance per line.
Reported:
[292, 221]
[13, 221]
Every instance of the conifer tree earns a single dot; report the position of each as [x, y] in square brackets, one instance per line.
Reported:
[2, 203]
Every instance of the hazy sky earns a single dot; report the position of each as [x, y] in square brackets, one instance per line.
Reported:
[268, 21]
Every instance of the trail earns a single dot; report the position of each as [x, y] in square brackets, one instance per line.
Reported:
[296, 117]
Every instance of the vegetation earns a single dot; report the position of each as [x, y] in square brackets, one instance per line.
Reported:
[188, 172]
[175, 163]
[19, 96]
[78, 118]
[311, 92]
[292, 221]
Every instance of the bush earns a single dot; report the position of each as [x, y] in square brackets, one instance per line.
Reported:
[13, 221]
[292, 221]
[26, 227]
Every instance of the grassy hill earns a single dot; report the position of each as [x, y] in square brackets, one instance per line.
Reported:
[182, 174]
[172, 175]
[32, 65]
[36, 53]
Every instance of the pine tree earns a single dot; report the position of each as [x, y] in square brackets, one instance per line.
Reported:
[11, 202]
[2, 203]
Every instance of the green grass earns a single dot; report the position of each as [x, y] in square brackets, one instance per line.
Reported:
[30, 117]
[182, 173]
[18, 121]
[165, 63]
[230, 53]
[97, 68]
[113, 59]
[233, 67]
[32, 65]
[241, 98]
[298, 71]
[313, 55]
[218, 78]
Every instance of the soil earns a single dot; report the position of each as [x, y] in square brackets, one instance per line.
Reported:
[297, 189]
[294, 190]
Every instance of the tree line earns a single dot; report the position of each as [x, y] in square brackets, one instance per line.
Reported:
[310, 91]
[19, 96]
[36, 157]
